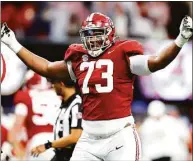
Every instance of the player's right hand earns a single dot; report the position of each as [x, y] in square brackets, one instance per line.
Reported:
[9, 39]
[186, 29]
[7, 35]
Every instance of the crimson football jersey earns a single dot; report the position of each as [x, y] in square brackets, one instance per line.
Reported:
[106, 82]
[39, 109]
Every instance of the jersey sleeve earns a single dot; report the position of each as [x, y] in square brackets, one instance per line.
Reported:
[71, 52]
[68, 54]
[76, 114]
[132, 48]
[71, 56]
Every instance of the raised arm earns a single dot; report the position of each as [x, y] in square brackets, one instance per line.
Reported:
[165, 57]
[54, 70]
[144, 65]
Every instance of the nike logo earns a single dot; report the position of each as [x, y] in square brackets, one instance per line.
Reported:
[118, 147]
[110, 51]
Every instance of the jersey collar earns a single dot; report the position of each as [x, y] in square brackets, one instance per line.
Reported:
[66, 103]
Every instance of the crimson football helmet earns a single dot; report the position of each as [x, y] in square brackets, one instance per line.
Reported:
[97, 33]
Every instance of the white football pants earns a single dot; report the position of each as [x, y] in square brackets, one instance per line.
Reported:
[123, 146]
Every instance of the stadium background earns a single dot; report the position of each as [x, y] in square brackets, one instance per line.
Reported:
[48, 28]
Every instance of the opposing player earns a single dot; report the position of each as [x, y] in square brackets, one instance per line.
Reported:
[104, 70]
[35, 107]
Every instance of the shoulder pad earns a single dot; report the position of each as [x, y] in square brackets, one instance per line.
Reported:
[132, 47]
[73, 50]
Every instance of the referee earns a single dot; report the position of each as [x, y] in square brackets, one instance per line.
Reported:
[67, 129]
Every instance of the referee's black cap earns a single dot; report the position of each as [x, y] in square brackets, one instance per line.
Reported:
[68, 83]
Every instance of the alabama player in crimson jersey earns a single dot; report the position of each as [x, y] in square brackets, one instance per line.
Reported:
[104, 70]
[35, 108]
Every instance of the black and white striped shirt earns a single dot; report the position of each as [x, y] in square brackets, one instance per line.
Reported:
[69, 117]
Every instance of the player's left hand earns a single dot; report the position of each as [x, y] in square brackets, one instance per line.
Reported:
[37, 150]
[186, 29]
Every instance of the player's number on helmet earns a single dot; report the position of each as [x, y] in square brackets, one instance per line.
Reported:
[108, 75]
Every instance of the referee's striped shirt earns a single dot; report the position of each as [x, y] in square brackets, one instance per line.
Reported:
[69, 117]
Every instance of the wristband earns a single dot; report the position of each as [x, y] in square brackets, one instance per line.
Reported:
[180, 41]
[15, 46]
[48, 145]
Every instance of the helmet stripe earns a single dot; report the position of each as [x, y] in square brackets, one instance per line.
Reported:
[91, 17]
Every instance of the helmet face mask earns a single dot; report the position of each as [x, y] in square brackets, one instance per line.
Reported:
[93, 39]
[97, 33]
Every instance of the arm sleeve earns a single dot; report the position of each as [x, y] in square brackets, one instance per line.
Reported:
[76, 117]
[139, 65]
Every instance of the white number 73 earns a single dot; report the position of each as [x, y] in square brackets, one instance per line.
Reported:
[105, 75]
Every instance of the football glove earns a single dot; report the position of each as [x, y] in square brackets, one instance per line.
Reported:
[186, 31]
[9, 39]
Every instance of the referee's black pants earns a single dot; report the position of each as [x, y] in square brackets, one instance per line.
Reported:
[62, 154]
[164, 158]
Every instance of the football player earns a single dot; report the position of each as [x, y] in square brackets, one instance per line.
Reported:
[35, 106]
[104, 69]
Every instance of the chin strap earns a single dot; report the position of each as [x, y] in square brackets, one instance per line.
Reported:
[100, 51]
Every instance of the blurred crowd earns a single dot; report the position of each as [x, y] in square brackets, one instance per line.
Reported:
[59, 21]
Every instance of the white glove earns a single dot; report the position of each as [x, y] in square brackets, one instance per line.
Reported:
[8, 38]
[185, 31]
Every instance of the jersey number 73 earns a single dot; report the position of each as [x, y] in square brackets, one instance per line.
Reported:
[108, 75]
